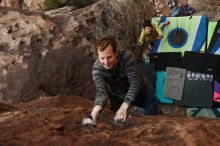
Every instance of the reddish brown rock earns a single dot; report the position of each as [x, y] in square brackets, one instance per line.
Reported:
[57, 121]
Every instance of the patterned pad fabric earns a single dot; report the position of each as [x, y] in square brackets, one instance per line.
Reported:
[203, 112]
[166, 59]
[182, 34]
[160, 87]
[201, 62]
[216, 95]
[196, 76]
[198, 90]
[214, 37]
[174, 83]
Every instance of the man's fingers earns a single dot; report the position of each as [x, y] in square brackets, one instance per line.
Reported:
[120, 116]
[124, 118]
[117, 117]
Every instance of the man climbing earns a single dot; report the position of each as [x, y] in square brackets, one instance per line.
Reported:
[149, 34]
[118, 81]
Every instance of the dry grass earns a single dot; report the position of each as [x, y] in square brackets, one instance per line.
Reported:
[123, 20]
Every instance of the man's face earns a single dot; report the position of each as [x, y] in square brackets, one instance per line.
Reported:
[107, 57]
[147, 29]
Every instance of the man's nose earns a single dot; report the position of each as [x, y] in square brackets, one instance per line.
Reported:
[105, 61]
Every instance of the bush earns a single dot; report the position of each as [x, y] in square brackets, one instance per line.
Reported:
[123, 20]
[54, 4]
[80, 3]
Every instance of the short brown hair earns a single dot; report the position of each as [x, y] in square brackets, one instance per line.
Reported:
[105, 41]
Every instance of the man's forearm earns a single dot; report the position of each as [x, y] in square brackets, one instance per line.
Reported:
[96, 110]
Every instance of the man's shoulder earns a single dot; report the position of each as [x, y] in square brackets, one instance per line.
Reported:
[97, 65]
[154, 25]
[126, 56]
[125, 53]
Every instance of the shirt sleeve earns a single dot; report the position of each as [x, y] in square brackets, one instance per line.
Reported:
[142, 37]
[134, 79]
[101, 87]
[158, 29]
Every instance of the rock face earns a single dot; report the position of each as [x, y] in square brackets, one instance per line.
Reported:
[31, 5]
[48, 53]
[45, 56]
[57, 121]
[210, 8]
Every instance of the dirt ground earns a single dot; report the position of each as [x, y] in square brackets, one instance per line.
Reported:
[57, 121]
